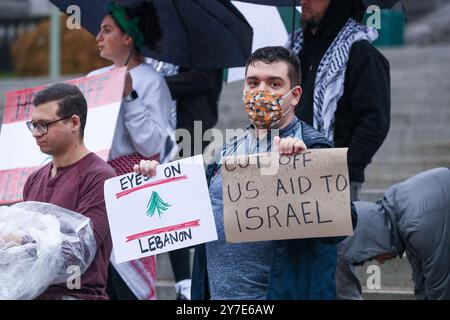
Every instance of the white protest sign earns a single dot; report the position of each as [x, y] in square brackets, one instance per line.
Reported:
[20, 154]
[307, 196]
[169, 211]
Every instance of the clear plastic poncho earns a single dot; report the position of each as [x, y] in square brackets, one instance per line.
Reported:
[40, 244]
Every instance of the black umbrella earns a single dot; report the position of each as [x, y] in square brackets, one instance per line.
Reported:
[196, 33]
[278, 3]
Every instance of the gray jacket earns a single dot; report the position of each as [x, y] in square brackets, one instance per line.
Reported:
[413, 216]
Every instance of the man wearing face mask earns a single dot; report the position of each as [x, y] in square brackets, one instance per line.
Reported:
[346, 92]
[283, 269]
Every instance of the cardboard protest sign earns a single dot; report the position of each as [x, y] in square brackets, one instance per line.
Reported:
[20, 155]
[307, 196]
[169, 211]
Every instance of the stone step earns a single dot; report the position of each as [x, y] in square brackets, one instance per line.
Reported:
[431, 104]
[164, 269]
[371, 195]
[425, 73]
[394, 274]
[415, 63]
[391, 294]
[391, 151]
[406, 165]
[423, 68]
[421, 127]
[418, 133]
[165, 290]
[403, 148]
[420, 139]
[384, 181]
[419, 117]
[412, 54]
[421, 94]
[428, 68]
[384, 158]
[420, 65]
[165, 284]
[424, 111]
[428, 80]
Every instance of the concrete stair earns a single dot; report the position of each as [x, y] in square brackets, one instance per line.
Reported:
[419, 138]
[165, 284]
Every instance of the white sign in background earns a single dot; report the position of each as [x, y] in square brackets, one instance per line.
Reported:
[169, 211]
[268, 30]
[26, 153]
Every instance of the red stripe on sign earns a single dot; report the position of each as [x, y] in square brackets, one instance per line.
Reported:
[12, 182]
[185, 225]
[151, 184]
[99, 90]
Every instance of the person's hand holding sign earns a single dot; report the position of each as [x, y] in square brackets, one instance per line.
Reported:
[289, 145]
[146, 167]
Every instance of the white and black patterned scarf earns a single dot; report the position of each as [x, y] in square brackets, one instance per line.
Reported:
[329, 84]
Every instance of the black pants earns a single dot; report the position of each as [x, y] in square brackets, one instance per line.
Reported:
[180, 261]
[116, 288]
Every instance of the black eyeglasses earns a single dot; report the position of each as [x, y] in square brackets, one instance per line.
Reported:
[42, 127]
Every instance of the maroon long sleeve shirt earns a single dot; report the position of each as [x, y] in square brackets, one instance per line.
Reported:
[78, 187]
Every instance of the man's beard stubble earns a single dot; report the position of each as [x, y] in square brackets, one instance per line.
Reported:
[309, 24]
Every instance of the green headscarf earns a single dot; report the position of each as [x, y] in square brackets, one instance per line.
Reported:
[130, 26]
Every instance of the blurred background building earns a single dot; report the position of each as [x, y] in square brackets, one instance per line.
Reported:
[25, 41]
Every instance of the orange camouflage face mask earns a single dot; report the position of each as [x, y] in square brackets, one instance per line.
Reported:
[264, 108]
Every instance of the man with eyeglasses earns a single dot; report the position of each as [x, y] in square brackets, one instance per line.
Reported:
[73, 179]
[42, 127]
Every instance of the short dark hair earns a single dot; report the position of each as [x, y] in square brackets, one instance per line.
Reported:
[274, 54]
[70, 101]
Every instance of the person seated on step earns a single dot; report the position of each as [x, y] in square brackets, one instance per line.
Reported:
[413, 217]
